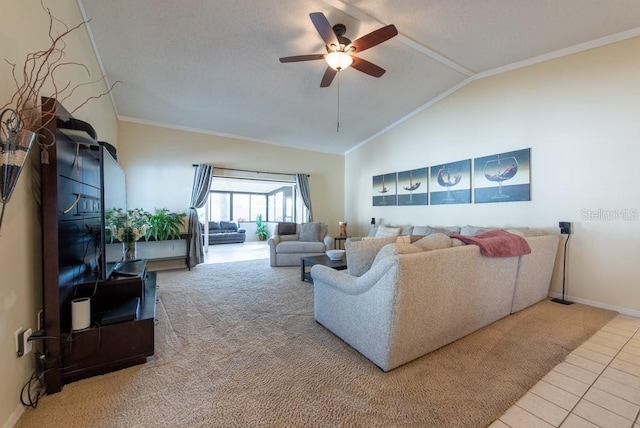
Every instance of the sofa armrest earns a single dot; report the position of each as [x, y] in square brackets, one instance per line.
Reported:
[328, 241]
[349, 284]
[273, 242]
[241, 230]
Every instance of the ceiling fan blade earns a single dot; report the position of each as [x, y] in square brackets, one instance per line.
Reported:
[298, 58]
[324, 28]
[375, 38]
[367, 67]
[328, 77]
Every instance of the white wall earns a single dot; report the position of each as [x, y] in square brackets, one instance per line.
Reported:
[24, 29]
[580, 117]
[158, 163]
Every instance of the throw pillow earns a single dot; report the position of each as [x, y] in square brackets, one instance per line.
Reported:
[422, 230]
[385, 231]
[309, 232]
[360, 254]
[286, 228]
[324, 229]
[469, 230]
[395, 249]
[452, 230]
[435, 241]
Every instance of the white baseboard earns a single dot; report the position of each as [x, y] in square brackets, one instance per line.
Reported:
[619, 309]
[13, 419]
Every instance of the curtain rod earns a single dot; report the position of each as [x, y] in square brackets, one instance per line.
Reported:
[248, 170]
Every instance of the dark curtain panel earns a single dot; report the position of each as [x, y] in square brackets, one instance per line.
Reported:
[201, 186]
[302, 183]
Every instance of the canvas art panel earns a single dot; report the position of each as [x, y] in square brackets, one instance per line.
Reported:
[413, 187]
[384, 190]
[503, 177]
[450, 183]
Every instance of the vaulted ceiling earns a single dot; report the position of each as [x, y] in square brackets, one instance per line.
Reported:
[212, 66]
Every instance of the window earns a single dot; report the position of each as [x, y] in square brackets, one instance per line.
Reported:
[236, 199]
[219, 206]
[258, 206]
[241, 207]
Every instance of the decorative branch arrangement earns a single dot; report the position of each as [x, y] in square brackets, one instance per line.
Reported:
[39, 70]
[38, 73]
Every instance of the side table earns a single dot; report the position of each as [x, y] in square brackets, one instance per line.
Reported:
[338, 242]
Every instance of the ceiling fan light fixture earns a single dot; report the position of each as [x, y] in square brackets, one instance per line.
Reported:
[338, 60]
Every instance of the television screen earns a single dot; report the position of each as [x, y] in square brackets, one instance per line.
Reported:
[114, 197]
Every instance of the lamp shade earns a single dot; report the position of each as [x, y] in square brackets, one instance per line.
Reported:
[338, 60]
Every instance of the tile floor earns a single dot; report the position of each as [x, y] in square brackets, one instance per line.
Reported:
[598, 385]
[225, 253]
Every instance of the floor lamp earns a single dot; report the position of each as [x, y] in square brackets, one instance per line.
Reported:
[565, 229]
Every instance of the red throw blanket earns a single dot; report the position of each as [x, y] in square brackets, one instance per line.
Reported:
[497, 243]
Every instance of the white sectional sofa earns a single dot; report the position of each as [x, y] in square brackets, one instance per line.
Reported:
[411, 302]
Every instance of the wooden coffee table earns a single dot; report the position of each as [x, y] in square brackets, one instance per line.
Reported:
[307, 262]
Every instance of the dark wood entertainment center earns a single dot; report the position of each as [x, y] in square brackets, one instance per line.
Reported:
[71, 221]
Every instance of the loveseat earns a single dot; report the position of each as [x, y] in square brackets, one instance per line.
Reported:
[412, 301]
[224, 232]
[292, 241]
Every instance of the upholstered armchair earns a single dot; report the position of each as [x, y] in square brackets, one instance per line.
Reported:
[292, 241]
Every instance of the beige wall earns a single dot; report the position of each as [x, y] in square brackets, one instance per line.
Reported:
[580, 117]
[23, 29]
[158, 163]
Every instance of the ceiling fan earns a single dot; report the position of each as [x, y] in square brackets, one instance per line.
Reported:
[341, 51]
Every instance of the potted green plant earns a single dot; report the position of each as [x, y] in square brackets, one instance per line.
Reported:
[165, 224]
[261, 228]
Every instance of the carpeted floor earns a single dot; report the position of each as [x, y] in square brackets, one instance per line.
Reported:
[237, 345]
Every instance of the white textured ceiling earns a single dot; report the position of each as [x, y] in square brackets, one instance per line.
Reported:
[213, 66]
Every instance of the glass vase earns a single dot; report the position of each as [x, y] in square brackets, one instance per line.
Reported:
[130, 250]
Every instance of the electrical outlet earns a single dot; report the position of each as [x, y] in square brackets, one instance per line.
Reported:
[565, 227]
[23, 346]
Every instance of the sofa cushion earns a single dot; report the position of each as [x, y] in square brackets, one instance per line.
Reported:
[435, 241]
[518, 232]
[533, 232]
[403, 239]
[300, 247]
[394, 250]
[455, 242]
[385, 231]
[214, 225]
[286, 228]
[360, 254]
[309, 232]
[228, 226]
